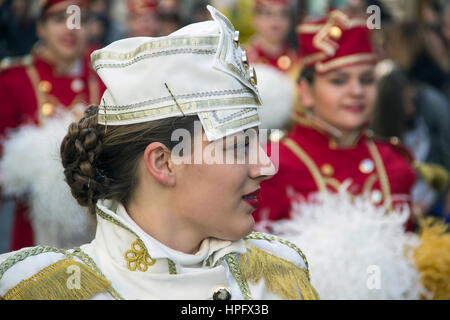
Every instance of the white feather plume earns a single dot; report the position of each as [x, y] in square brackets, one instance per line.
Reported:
[277, 94]
[31, 168]
[355, 250]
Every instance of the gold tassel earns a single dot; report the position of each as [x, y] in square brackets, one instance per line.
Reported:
[433, 258]
[53, 283]
[280, 276]
[436, 176]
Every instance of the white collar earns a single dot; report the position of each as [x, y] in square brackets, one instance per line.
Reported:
[210, 247]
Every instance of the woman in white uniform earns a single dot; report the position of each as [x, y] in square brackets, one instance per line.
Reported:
[170, 224]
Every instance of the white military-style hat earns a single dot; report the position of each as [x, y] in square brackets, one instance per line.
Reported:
[200, 69]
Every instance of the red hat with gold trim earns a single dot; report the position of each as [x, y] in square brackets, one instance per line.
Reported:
[260, 3]
[335, 42]
[142, 6]
[57, 5]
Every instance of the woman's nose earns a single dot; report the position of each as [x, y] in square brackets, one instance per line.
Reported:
[264, 167]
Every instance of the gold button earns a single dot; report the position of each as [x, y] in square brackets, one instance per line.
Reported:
[366, 166]
[332, 143]
[276, 135]
[236, 39]
[335, 33]
[376, 196]
[284, 62]
[327, 170]
[47, 109]
[45, 86]
[394, 140]
[370, 134]
[245, 60]
[77, 85]
[253, 79]
[221, 293]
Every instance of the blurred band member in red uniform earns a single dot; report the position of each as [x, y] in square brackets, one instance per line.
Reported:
[269, 44]
[56, 74]
[143, 18]
[329, 146]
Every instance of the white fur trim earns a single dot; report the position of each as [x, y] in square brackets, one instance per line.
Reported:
[277, 95]
[349, 244]
[31, 167]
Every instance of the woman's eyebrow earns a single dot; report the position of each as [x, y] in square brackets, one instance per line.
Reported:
[368, 73]
[338, 74]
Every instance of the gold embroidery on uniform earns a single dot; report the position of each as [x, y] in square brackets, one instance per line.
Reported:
[381, 171]
[303, 156]
[334, 183]
[280, 276]
[51, 283]
[107, 217]
[368, 184]
[137, 257]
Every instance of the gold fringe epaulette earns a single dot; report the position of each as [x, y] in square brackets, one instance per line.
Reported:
[280, 276]
[435, 175]
[10, 62]
[66, 279]
[433, 258]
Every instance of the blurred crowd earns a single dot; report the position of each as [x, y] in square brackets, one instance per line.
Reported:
[413, 45]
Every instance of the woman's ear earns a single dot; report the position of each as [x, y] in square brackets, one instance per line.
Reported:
[306, 94]
[40, 30]
[158, 162]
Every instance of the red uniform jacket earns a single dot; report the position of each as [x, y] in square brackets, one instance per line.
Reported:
[30, 90]
[309, 161]
[286, 61]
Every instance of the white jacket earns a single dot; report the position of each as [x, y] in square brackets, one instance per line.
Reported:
[123, 262]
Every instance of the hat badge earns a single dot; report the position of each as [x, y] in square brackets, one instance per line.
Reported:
[335, 33]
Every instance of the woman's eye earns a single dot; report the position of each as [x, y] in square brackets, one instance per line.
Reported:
[337, 81]
[367, 80]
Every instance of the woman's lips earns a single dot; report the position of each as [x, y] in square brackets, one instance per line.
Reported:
[68, 42]
[354, 108]
[252, 198]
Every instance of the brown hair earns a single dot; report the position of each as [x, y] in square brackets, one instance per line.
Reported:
[104, 166]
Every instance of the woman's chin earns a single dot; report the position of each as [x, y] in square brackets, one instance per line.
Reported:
[243, 229]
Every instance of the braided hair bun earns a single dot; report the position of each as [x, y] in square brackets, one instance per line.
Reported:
[103, 165]
[79, 151]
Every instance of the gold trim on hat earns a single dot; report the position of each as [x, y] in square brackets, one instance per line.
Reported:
[160, 44]
[222, 129]
[163, 112]
[322, 39]
[157, 54]
[341, 61]
[336, 16]
[313, 58]
[314, 28]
